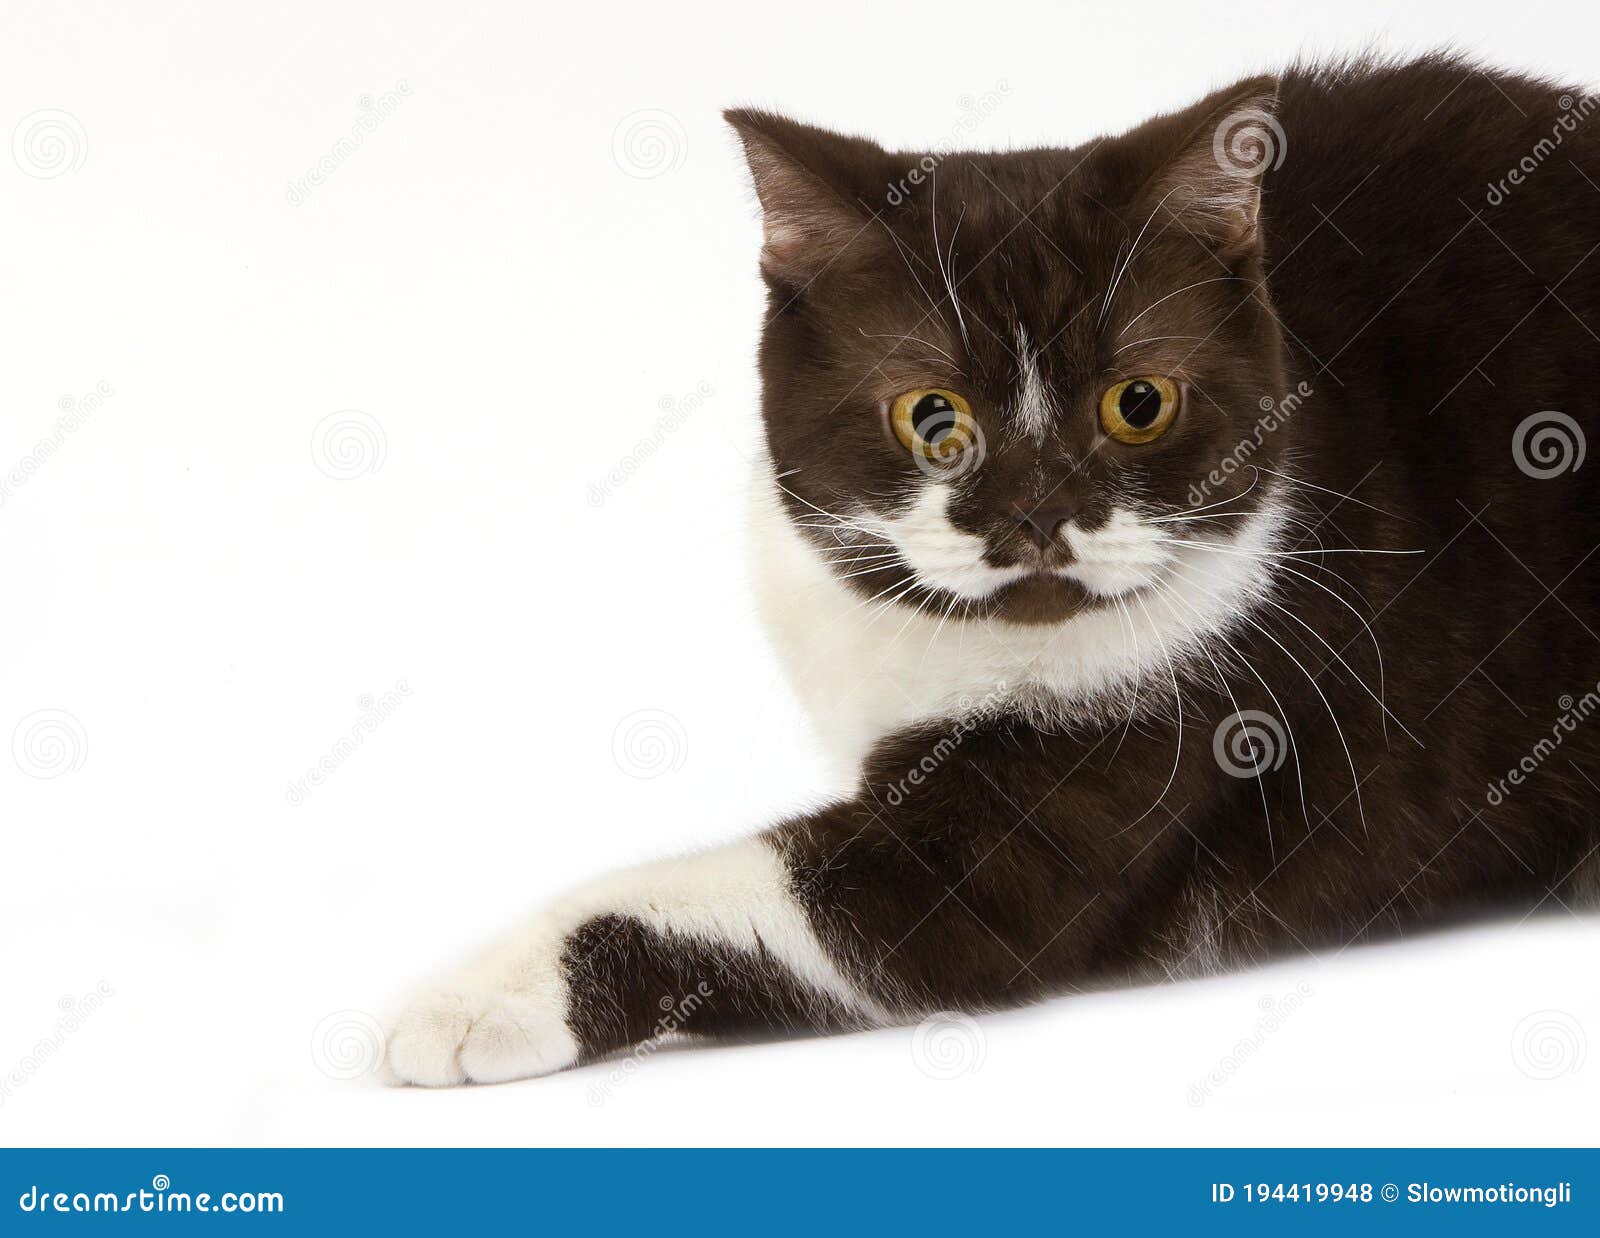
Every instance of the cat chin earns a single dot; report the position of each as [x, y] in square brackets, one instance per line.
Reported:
[1042, 598]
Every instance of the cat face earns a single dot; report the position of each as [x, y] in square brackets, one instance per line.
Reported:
[995, 385]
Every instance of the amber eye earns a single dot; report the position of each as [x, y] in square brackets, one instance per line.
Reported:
[933, 423]
[1138, 410]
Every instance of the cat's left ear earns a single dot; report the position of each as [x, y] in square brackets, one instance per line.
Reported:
[1213, 157]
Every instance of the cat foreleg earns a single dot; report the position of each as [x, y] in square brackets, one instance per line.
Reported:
[719, 943]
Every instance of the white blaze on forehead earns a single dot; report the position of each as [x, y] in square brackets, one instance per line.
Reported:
[1033, 410]
[942, 555]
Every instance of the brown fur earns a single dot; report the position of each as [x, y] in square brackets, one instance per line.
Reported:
[1427, 323]
[1426, 320]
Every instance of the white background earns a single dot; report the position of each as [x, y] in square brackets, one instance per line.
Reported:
[505, 280]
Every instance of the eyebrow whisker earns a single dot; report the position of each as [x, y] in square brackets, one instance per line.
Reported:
[1216, 279]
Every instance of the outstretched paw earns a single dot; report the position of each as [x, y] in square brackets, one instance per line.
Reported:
[475, 1035]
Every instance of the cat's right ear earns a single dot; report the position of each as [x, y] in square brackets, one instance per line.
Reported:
[812, 185]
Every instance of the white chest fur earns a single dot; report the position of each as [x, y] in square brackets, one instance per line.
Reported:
[864, 670]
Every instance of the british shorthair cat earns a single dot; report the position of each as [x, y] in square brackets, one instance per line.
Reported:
[1181, 539]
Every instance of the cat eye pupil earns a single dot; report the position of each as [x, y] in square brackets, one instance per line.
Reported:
[933, 424]
[933, 417]
[1139, 404]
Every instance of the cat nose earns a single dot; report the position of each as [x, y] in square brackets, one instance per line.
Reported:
[1043, 521]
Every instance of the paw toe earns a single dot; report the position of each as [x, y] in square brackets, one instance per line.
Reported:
[516, 1038]
[453, 1038]
[424, 1043]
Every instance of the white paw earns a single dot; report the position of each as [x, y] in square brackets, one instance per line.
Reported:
[476, 1035]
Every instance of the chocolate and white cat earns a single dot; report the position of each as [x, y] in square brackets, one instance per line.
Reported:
[1182, 538]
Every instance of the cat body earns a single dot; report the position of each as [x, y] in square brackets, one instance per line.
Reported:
[1181, 545]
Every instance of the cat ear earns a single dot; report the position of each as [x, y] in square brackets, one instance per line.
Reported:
[812, 185]
[1216, 154]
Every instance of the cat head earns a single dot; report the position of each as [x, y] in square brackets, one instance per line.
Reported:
[1002, 384]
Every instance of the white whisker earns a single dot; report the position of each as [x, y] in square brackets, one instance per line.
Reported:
[1218, 279]
[1290, 554]
[1283, 714]
[1317, 688]
[944, 270]
[1177, 755]
[1151, 339]
[1111, 292]
[915, 339]
[1348, 498]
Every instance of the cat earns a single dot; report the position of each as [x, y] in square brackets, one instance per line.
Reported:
[1181, 541]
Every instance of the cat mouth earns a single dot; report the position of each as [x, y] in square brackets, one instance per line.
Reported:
[1034, 584]
[1033, 560]
[1089, 569]
[1054, 593]
[1105, 578]
[1043, 596]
